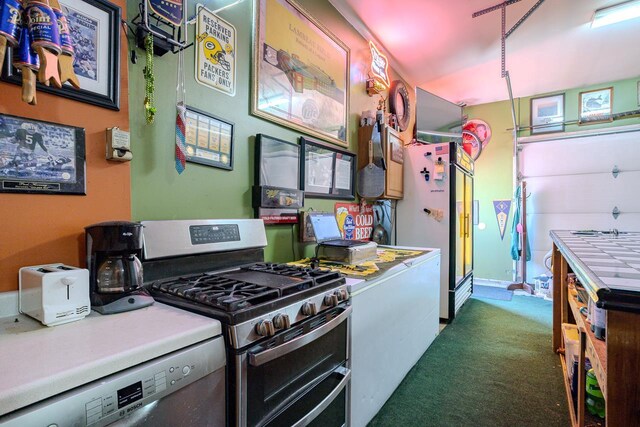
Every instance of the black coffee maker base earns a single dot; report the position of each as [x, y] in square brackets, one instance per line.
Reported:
[126, 303]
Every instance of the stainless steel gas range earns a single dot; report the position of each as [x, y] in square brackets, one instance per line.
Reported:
[286, 328]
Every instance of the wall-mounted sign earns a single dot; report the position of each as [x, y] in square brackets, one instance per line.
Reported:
[502, 208]
[215, 52]
[355, 221]
[379, 65]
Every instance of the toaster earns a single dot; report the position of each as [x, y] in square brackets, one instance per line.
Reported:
[54, 293]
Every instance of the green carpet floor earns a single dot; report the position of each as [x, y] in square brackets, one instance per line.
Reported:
[492, 366]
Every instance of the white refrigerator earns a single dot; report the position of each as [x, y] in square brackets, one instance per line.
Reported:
[437, 211]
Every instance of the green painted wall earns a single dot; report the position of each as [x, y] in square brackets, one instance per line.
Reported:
[158, 192]
[494, 167]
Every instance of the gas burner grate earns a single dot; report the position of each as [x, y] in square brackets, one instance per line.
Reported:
[318, 276]
[216, 291]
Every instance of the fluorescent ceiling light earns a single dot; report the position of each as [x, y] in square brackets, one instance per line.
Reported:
[616, 13]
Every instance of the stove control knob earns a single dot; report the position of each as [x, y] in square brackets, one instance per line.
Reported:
[331, 300]
[342, 294]
[281, 321]
[309, 309]
[265, 328]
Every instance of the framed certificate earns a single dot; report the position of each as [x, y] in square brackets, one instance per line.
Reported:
[326, 171]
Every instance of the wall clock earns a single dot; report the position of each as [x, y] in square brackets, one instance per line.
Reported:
[399, 104]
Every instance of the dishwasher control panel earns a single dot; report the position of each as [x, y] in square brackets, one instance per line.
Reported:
[120, 395]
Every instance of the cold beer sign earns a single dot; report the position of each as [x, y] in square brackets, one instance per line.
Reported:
[355, 221]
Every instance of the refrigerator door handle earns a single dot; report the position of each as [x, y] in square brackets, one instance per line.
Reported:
[463, 230]
[466, 225]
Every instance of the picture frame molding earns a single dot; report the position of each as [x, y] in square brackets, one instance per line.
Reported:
[547, 128]
[256, 111]
[334, 192]
[112, 99]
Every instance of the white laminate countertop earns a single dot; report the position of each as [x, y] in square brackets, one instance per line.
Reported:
[38, 362]
[358, 285]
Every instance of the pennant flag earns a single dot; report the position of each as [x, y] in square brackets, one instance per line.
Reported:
[502, 208]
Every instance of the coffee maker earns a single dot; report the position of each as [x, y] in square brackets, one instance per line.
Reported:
[115, 271]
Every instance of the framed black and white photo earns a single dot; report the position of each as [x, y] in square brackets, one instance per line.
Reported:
[41, 157]
[95, 32]
[547, 114]
[326, 171]
[209, 139]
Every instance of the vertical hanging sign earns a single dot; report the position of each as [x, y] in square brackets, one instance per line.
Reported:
[502, 208]
[215, 52]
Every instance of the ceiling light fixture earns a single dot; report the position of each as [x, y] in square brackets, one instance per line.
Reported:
[616, 13]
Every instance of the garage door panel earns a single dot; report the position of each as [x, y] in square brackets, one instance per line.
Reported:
[581, 155]
[588, 193]
[539, 225]
[571, 187]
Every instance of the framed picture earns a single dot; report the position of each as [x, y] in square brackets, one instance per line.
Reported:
[277, 162]
[95, 30]
[209, 139]
[596, 105]
[300, 72]
[276, 193]
[41, 157]
[326, 171]
[547, 114]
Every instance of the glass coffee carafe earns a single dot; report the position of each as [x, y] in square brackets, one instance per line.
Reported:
[119, 273]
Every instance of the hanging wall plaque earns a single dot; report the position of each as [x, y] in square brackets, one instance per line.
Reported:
[215, 52]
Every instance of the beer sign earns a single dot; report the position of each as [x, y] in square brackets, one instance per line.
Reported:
[355, 221]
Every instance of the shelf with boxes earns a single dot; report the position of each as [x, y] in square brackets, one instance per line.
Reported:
[586, 272]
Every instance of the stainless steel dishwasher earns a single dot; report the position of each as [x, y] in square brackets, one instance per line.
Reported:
[183, 388]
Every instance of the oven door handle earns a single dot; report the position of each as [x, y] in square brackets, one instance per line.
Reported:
[257, 359]
[311, 415]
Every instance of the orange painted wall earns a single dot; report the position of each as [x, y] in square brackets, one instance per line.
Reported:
[39, 229]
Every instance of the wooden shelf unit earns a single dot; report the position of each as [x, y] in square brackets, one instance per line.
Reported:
[394, 185]
[616, 362]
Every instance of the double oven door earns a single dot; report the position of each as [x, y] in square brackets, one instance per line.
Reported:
[298, 377]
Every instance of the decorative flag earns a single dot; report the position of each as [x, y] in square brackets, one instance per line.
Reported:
[181, 117]
[502, 208]
[181, 146]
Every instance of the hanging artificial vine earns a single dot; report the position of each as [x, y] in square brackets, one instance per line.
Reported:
[149, 108]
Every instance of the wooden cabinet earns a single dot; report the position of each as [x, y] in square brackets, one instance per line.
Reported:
[391, 144]
[616, 362]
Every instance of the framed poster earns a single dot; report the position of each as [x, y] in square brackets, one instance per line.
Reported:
[209, 139]
[215, 52]
[41, 157]
[95, 30]
[327, 172]
[595, 105]
[547, 114]
[300, 72]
